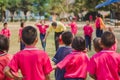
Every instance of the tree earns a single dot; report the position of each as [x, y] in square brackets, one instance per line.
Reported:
[13, 7]
[3, 4]
[25, 6]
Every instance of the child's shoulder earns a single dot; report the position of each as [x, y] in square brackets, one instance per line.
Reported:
[5, 58]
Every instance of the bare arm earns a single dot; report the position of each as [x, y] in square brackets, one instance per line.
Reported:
[54, 67]
[10, 75]
[46, 36]
[47, 77]
[92, 76]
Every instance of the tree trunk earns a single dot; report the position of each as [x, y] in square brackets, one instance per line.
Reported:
[25, 13]
[12, 15]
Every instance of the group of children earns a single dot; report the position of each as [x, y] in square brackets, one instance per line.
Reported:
[71, 60]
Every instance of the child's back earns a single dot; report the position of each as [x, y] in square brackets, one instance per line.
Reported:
[62, 52]
[75, 64]
[105, 65]
[33, 63]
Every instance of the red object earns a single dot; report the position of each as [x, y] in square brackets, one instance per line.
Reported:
[4, 60]
[88, 30]
[33, 63]
[74, 28]
[6, 32]
[105, 65]
[42, 28]
[60, 40]
[75, 65]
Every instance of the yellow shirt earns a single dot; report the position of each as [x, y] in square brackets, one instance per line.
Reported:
[60, 28]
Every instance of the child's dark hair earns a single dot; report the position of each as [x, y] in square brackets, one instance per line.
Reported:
[5, 24]
[78, 43]
[29, 35]
[22, 24]
[4, 43]
[67, 37]
[96, 44]
[108, 39]
[54, 24]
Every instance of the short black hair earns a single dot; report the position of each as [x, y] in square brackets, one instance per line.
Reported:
[67, 37]
[22, 24]
[78, 43]
[29, 35]
[98, 15]
[96, 44]
[54, 24]
[5, 24]
[108, 39]
[4, 43]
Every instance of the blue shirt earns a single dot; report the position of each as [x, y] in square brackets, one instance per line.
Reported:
[59, 56]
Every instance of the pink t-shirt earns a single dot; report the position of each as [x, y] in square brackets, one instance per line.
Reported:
[114, 47]
[97, 23]
[20, 32]
[33, 63]
[74, 28]
[75, 65]
[42, 28]
[105, 65]
[6, 32]
[88, 30]
[4, 60]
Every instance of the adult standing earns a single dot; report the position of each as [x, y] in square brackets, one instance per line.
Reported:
[99, 26]
[58, 28]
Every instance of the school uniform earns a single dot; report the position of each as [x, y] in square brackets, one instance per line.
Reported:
[6, 32]
[33, 63]
[105, 65]
[75, 65]
[22, 45]
[4, 60]
[58, 31]
[61, 53]
[88, 34]
[42, 30]
[99, 31]
[74, 28]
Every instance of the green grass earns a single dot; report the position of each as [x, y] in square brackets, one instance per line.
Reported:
[50, 49]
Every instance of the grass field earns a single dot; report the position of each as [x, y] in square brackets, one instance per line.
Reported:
[14, 44]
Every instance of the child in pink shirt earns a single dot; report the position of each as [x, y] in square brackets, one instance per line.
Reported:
[22, 45]
[4, 57]
[5, 31]
[105, 65]
[75, 64]
[88, 30]
[33, 63]
[74, 27]
[42, 29]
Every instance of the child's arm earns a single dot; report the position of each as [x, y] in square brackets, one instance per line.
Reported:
[46, 36]
[47, 77]
[92, 76]
[10, 75]
[54, 67]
